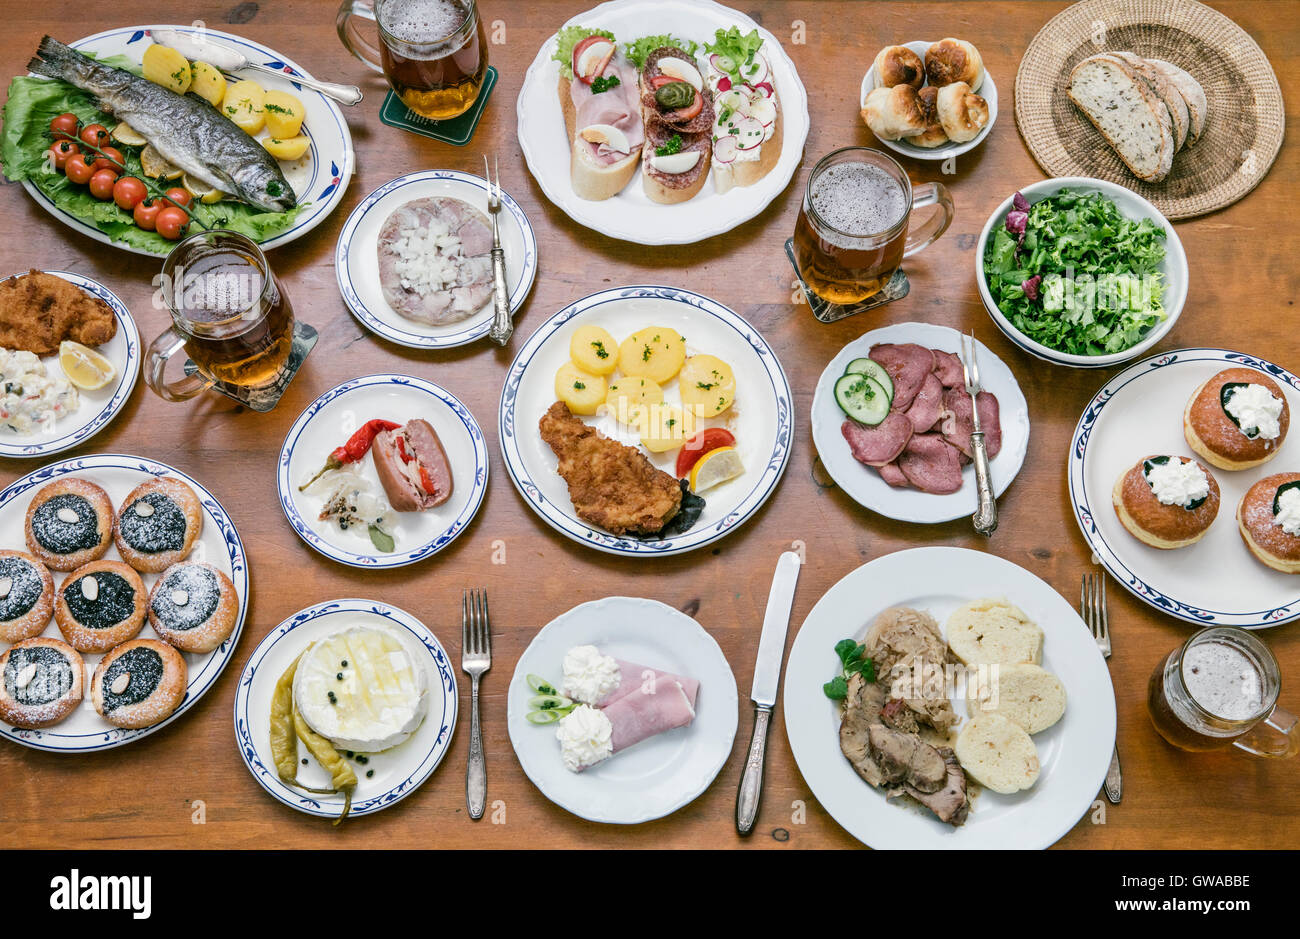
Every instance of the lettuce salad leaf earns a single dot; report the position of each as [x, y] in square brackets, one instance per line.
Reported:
[739, 49]
[566, 39]
[638, 51]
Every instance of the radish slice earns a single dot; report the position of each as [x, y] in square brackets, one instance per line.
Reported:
[755, 72]
[763, 111]
[765, 88]
[735, 101]
[724, 83]
[751, 133]
[724, 149]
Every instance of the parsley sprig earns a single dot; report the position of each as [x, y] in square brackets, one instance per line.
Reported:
[853, 661]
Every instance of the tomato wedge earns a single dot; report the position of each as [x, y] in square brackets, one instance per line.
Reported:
[582, 47]
[706, 440]
[681, 114]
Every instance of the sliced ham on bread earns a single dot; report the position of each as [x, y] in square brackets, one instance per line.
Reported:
[1127, 112]
[605, 133]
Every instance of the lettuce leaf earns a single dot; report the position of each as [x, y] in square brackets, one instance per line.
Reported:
[566, 39]
[739, 49]
[638, 51]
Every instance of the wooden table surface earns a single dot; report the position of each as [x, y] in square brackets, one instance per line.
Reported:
[1244, 281]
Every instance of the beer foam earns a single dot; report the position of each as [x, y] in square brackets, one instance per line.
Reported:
[1223, 680]
[858, 199]
[422, 21]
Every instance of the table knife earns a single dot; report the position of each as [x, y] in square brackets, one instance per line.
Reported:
[767, 678]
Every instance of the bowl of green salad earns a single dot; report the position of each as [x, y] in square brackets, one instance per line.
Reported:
[1081, 272]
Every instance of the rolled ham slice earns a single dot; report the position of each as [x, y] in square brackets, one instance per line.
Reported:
[639, 716]
[636, 677]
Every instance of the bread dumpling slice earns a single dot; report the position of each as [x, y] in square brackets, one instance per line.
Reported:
[1027, 695]
[994, 632]
[997, 754]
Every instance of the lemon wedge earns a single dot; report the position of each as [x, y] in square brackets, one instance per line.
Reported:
[85, 368]
[716, 467]
[201, 190]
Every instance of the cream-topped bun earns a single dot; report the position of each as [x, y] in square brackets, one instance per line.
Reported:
[40, 682]
[26, 596]
[139, 683]
[1268, 518]
[1237, 419]
[1166, 501]
[993, 631]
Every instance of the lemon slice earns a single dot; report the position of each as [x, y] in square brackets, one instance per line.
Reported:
[85, 367]
[126, 134]
[716, 467]
[201, 190]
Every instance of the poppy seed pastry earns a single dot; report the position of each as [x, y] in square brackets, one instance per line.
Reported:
[69, 523]
[1268, 518]
[1237, 419]
[193, 607]
[40, 682]
[157, 524]
[26, 596]
[139, 683]
[100, 605]
[1166, 501]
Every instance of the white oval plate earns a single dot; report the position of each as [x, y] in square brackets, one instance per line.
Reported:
[761, 419]
[97, 408]
[218, 545]
[987, 90]
[660, 775]
[1139, 412]
[356, 261]
[320, 179]
[631, 216]
[331, 419]
[399, 771]
[864, 485]
[1074, 753]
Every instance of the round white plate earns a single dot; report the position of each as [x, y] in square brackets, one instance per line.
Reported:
[761, 418]
[319, 178]
[331, 419]
[1138, 413]
[987, 90]
[1074, 753]
[660, 775]
[631, 216]
[218, 545]
[864, 485]
[356, 260]
[97, 408]
[397, 772]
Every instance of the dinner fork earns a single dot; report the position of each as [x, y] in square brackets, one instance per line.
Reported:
[1092, 607]
[502, 327]
[475, 659]
[986, 512]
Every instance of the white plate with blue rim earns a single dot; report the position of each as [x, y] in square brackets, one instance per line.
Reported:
[332, 418]
[659, 775]
[218, 544]
[95, 408]
[384, 778]
[761, 419]
[356, 259]
[319, 178]
[1139, 413]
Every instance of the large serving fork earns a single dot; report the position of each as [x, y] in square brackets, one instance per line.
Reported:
[475, 659]
[1092, 607]
[502, 327]
[986, 512]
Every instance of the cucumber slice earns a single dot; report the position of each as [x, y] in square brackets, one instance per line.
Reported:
[542, 717]
[861, 398]
[541, 685]
[873, 369]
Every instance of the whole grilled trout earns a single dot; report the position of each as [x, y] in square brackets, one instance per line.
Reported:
[188, 131]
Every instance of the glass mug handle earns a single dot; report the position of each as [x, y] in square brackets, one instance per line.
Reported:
[923, 195]
[358, 45]
[160, 352]
[1277, 735]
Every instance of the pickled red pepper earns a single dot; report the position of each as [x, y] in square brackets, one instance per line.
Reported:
[358, 446]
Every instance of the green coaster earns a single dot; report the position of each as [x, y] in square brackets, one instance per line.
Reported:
[456, 131]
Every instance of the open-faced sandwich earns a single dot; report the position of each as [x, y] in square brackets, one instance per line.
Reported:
[746, 131]
[602, 111]
[677, 113]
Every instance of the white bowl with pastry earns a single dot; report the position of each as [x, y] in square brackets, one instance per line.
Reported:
[929, 100]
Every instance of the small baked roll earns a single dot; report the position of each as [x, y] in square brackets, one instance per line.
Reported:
[139, 683]
[100, 605]
[1268, 518]
[157, 524]
[933, 135]
[1166, 501]
[1237, 419]
[26, 596]
[40, 682]
[894, 113]
[954, 60]
[69, 523]
[193, 607]
[962, 113]
[899, 65]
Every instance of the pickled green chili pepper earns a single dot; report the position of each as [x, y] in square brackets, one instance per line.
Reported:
[341, 774]
[284, 740]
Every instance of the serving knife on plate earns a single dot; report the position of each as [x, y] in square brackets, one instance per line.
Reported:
[767, 679]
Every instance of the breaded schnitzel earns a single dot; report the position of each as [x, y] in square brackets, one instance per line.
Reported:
[38, 311]
[611, 485]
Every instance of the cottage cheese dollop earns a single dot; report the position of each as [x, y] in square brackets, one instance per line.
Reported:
[1256, 411]
[1178, 482]
[586, 737]
[588, 675]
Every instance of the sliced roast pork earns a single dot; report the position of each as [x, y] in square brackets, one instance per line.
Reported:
[957, 424]
[927, 405]
[931, 464]
[876, 446]
[951, 803]
[906, 759]
[907, 364]
[861, 711]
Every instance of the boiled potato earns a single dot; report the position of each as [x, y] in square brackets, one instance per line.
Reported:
[288, 150]
[663, 427]
[707, 385]
[583, 392]
[167, 67]
[243, 105]
[209, 83]
[629, 393]
[654, 352]
[284, 114]
[594, 349]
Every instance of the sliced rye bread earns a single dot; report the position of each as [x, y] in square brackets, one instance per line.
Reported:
[1170, 95]
[1198, 106]
[1124, 109]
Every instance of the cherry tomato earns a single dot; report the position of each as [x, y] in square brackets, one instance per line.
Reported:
[705, 441]
[60, 152]
[146, 213]
[101, 184]
[128, 192]
[95, 134]
[179, 196]
[172, 222]
[78, 169]
[110, 159]
[64, 127]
